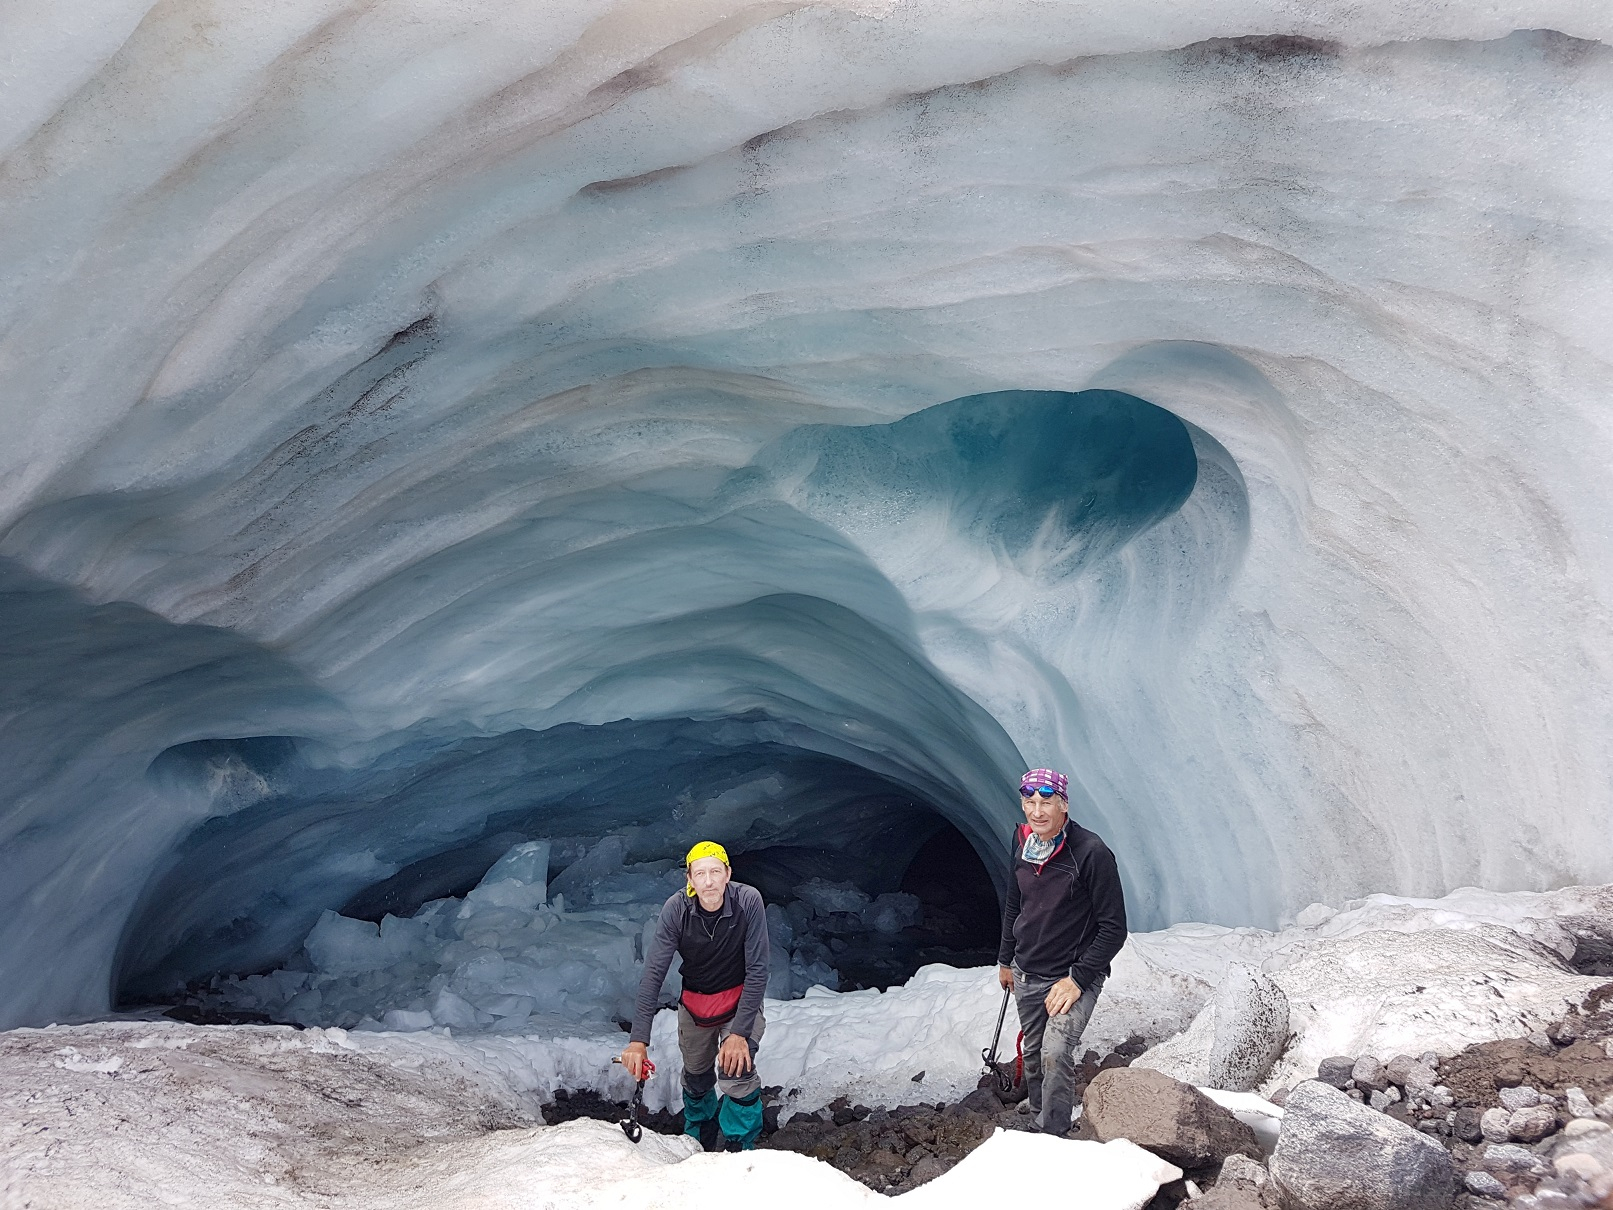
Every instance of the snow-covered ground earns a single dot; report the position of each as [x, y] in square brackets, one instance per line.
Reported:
[139, 1113]
[142, 1114]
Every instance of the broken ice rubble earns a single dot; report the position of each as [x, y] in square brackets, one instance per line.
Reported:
[521, 953]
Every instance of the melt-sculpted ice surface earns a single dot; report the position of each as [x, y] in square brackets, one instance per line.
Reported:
[480, 374]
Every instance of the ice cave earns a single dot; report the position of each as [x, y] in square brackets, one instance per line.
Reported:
[460, 454]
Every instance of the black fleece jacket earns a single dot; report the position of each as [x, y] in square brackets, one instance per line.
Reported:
[1068, 916]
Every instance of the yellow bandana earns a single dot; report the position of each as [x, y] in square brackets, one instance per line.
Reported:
[706, 848]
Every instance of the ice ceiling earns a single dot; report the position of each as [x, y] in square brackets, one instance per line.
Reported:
[429, 422]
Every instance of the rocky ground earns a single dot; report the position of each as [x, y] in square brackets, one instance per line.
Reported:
[1526, 1120]
[890, 1150]
[1520, 1122]
[1526, 1123]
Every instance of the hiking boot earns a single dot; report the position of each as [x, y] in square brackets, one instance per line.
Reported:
[711, 1136]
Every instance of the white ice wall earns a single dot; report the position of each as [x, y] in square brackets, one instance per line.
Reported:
[1371, 269]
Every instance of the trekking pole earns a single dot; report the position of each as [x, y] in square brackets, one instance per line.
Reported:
[629, 1124]
[989, 1054]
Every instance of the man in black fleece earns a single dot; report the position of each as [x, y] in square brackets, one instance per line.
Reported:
[720, 929]
[1064, 922]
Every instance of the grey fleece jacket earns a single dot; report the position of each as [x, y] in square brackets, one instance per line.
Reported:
[669, 934]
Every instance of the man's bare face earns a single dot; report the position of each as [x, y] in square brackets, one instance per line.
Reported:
[709, 877]
[1046, 815]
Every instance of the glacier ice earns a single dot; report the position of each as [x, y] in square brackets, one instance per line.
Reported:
[434, 428]
[500, 959]
[504, 959]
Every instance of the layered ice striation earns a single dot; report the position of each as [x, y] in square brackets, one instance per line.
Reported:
[436, 428]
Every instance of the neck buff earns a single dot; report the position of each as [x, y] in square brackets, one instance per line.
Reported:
[1037, 850]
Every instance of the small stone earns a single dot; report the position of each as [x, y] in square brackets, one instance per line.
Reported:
[1579, 1105]
[1565, 1031]
[1227, 1197]
[1243, 1172]
[927, 1169]
[1521, 1097]
[1532, 1124]
[1586, 1167]
[1397, 1068]
[1380, 1101]
[1493, 1125]
[1465, 1125]
[1509, 1157]
[1540, 1042]
[981, 1100]
[1419, 1077]
[1335, 1071]
[1278, 1097]
[1579, 1127]
[1604, 1107]
[1430, 1059]
[1368, 1073]
[1482, 1183]
[1354, 1094]
[1433, 1126]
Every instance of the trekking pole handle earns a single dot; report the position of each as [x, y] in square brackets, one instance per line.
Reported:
[649, 1067]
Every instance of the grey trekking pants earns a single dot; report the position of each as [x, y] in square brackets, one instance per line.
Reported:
[699, 1044]
[1050, 1047]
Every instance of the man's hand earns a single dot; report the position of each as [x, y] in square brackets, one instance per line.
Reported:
[1005, 978]
[633, 1059]
[734, 1057]
[1061, 997]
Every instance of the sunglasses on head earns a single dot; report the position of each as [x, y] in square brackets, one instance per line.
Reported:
[1044, 791]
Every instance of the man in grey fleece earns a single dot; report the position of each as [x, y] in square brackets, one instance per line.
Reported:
[719, 927]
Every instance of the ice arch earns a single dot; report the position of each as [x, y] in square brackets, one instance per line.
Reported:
[361, 360]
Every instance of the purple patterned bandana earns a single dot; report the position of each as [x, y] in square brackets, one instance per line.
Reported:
[1047, 777]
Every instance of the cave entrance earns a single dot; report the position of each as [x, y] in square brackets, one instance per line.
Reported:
[848, 931]
[366, 897]
[960, 903]
[961, 916]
